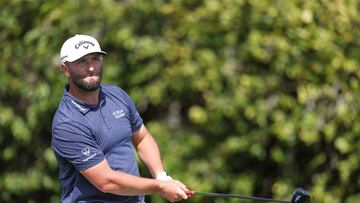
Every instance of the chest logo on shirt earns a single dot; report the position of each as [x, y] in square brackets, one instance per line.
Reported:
[118, 113]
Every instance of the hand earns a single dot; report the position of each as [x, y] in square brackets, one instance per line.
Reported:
[173, 190]
[184, 188]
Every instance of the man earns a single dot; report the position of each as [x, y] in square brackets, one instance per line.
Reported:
[95, 131]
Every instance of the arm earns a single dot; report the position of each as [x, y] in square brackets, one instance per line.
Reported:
[69, 138]
[148, 150]
[119, 183]
[149, 153]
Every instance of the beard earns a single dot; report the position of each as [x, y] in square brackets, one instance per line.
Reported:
[81, 83]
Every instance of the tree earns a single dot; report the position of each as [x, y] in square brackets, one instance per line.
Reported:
[248, 97]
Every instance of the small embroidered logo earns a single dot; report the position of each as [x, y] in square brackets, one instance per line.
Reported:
[118, 113]
[86, 151]
[83, 43]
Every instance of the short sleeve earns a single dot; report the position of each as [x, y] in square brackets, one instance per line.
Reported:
[75, 143]
[135, 119]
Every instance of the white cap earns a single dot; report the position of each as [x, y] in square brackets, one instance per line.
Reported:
[79, 46]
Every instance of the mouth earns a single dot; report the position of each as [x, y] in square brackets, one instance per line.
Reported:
[91, 78]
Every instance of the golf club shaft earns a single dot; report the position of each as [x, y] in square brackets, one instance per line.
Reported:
[239, 197]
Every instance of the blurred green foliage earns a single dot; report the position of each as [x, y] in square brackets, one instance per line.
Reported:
[252, 97]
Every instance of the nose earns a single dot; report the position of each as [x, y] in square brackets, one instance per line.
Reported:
[91, 68]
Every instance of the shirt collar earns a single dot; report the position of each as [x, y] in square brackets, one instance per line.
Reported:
[82, 106]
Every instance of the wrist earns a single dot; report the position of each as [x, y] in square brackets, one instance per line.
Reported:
[160, 186]
[162, 176]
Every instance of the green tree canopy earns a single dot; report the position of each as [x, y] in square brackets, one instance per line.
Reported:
[252, 97]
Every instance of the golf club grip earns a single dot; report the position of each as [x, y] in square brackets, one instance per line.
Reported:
[212, 194]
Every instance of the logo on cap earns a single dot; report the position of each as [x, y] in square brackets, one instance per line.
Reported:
[77, 46]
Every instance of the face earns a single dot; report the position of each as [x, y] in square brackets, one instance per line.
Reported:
[86, 72]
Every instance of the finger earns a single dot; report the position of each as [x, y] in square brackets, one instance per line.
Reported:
[189, 193]
[181, 185]
[183, 195]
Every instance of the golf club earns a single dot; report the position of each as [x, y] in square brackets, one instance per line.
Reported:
[299, 196]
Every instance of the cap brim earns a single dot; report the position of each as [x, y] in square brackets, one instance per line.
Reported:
[78, 57]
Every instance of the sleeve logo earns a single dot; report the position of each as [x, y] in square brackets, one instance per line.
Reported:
[86, 151]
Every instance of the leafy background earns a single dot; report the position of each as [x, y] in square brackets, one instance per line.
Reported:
[251, 97]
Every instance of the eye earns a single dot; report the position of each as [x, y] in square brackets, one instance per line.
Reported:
[82, 61]
[96, 58]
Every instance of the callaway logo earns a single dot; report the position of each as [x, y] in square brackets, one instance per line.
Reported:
[86, 151]
[77, 46]
[118, 113]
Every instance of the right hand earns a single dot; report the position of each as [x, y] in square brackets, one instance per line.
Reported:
[173, 190]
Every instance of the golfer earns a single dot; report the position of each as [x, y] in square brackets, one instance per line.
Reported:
[95, 133]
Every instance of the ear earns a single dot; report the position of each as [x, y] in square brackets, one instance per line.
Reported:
[65, 69]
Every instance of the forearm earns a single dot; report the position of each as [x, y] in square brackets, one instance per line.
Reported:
[120, 183]
[149, 153]
[125, 184]
[148, 150]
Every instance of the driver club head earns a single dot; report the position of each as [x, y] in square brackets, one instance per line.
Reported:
[300, 196]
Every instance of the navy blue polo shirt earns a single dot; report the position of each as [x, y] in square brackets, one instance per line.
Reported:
[83, 135]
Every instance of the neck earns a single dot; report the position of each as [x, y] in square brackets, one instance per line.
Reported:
[89, 97]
